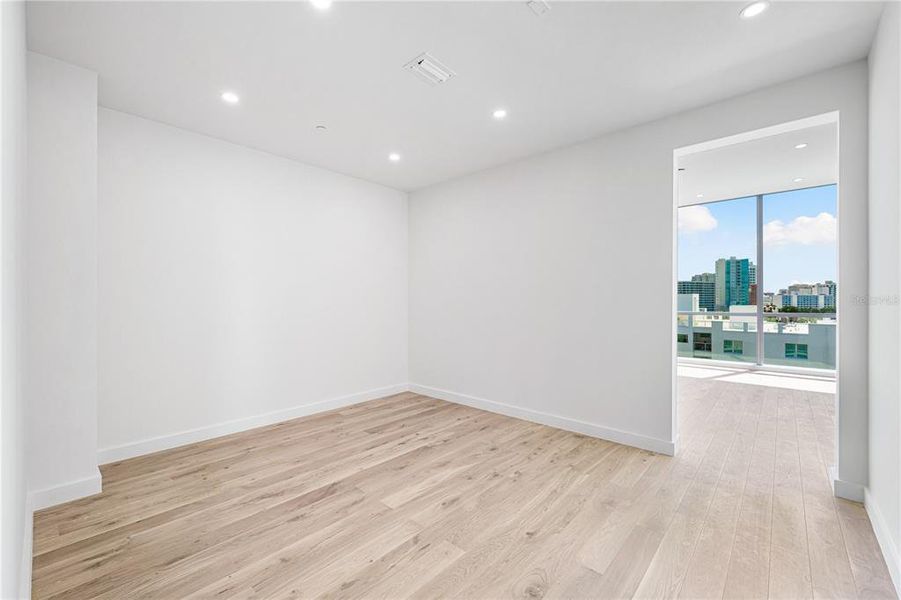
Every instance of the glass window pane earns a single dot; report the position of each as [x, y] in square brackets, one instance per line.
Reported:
[718, 337]
[800, 341]
[799, 277]
[717, 252]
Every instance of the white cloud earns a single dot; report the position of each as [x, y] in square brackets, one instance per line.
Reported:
[696, 218]
[804, 231]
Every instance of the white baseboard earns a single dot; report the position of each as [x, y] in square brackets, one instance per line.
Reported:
[165, 442]
[66, 492]
[845, 489]
[884, 537]
[599, 431]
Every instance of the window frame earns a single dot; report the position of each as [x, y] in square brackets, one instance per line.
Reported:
[799, 351]
[735, 347]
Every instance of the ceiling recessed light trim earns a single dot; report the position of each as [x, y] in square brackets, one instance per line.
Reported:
[801, 146]
[699, 196]
[230, 97]
[798, 179]
[394, 157]
[321, 4]
[499, 113]
[754, 9]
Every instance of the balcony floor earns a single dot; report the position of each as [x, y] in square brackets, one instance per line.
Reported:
[767, 441]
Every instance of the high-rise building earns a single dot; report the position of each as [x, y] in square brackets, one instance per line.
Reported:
[801, 288]
[802, 301]
[733, 282]
[806, 295]
[705, 290]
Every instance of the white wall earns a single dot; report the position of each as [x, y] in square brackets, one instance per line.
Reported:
[883, 501]
[546, 285]
[60, 343]
[238, 288]
[15, 529]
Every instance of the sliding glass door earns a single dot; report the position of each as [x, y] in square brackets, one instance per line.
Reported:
[757, 279]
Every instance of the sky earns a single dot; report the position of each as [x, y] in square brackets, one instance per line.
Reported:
[799, 230]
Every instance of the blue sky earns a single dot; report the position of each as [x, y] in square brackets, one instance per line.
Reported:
[799, 236]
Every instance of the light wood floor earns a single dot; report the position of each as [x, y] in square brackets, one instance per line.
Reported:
[413, 497]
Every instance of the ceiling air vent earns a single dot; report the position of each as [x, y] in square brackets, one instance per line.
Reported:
[539, 7]
[430, 70]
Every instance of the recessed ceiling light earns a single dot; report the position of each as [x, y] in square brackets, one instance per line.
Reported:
[700, 195]
[754, 9]
[320, 128]
[499, 113]
[230, 97]
[321, 4]
[394, 157]
[798, 179]
[801, 146]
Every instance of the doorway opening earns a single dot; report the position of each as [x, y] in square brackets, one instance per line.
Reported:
[756, 279]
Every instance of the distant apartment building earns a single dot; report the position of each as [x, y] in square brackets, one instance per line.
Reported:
[826, 288]
[687, 303]
[806, 296]
[704, 285]
[802, 301]
[734, 277]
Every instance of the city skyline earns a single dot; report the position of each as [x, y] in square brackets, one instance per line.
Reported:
[718, 292]
[710, 277]
[799, 236]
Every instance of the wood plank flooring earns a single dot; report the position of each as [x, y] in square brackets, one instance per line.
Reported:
[409, 496]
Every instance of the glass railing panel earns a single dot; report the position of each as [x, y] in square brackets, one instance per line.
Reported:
[717, 337]
[800, 341]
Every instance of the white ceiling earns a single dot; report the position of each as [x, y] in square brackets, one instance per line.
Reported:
[583, 69]
[769, 164]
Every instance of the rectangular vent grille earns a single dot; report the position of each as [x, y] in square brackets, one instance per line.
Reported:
[429, 69]
[539, 7]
